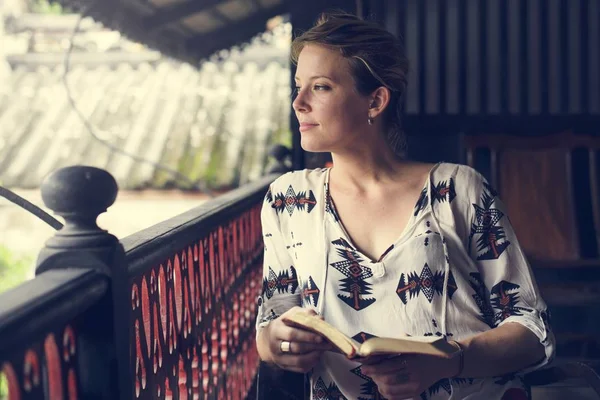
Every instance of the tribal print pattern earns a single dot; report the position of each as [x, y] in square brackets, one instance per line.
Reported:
[368, 388]
[270, 316]
[362, 337]
[322, 392]
[444, 191]
[284, 282]
[481, 298]
[291, 201]
[329, 206]
[437, 332]
[269, 196]
[492, 240]
[446, 385]
[310, 292]
[356, 274]
[505, 296]
[427, 283]
[421, 202]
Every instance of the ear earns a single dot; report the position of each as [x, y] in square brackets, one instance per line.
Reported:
[379, 100]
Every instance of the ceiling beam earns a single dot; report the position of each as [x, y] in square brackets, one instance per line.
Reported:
[174, 13]
[120, 16]
[223, 38]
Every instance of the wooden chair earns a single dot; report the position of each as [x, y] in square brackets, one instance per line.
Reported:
[534, 178]
[550, 187]
[579, 375]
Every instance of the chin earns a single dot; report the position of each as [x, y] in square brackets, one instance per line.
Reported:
[314, 146]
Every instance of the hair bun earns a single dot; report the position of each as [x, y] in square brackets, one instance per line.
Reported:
[336, 14]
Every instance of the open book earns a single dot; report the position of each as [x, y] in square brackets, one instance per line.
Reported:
[433, 345]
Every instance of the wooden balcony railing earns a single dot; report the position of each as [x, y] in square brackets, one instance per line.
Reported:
[167, 313]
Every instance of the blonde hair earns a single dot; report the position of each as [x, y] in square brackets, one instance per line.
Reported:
[376, 58]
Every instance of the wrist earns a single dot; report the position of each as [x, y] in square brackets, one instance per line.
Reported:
[263, 345]
[457, 361]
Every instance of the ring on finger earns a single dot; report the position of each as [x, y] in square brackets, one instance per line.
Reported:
[285, 346]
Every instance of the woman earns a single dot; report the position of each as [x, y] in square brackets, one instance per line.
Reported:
[381, 246]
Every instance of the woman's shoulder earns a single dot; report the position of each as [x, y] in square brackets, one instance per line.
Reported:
[456, 172]
[458, 180]
[300, 180]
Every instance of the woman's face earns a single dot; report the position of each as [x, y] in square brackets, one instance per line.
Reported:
[332, 114]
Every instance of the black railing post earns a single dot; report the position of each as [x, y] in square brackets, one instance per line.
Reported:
[283, 159]
[80, 194]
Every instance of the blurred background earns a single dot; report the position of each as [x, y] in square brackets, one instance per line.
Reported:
[213, 123]
[201, 91]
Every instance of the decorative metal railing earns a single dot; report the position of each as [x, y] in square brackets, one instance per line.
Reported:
[166, 313]
[193, 292]
[41, 325]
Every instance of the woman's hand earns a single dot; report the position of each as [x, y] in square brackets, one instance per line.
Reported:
[407, 376]
[304, 350]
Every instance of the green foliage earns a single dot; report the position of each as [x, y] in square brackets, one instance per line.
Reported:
[46, 7]
[283, 136]
[13, 269]
[3, 387]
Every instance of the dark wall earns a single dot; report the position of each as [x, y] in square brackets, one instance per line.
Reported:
[511, 67]
[506, 66]
[521, 67]
[500, 56]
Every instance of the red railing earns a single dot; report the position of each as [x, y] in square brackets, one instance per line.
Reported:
[192, 316]
[40, 323]
[167, 313]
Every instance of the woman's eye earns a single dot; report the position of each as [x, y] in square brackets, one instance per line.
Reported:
[321, 87]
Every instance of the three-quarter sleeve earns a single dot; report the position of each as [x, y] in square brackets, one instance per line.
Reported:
[280, 290]
[503, 268]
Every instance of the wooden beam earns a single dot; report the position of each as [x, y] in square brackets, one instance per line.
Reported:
[126, 19]
[228, 36]
[220, 16]
[167, 15]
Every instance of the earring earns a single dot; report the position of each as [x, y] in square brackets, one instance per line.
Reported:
[370, 121]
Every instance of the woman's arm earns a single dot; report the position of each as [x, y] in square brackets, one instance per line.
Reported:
[281, 295]
[278, 295]
[262, 346]
[505, 288]
[499, 351]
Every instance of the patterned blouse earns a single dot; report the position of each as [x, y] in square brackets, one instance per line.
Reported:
[455, 271]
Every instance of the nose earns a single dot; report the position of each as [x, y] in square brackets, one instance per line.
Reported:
[300, 104]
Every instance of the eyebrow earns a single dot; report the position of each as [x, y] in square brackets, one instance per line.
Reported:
[315, 77]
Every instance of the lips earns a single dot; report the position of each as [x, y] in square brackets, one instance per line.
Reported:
[304, 126]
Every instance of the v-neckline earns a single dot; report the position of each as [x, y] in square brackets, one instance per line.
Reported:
[337, 221]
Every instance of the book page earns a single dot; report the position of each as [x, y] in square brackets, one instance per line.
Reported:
[345, 344]
[432, 345]
[374, 346]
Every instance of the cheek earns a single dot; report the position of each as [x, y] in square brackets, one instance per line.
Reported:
[345, 116]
